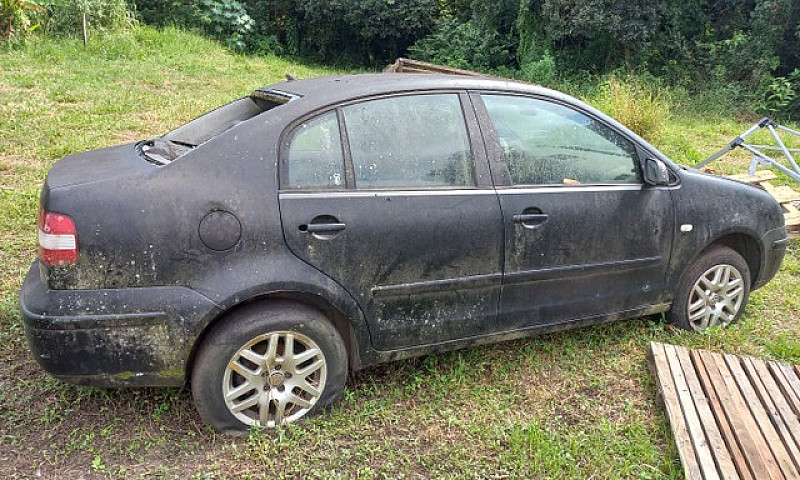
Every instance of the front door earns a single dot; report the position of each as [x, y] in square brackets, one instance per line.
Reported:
[389, 198]
[584, 236]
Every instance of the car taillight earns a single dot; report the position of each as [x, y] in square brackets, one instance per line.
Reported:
[58, 239]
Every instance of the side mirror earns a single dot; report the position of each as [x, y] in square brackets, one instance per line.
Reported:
[655, 172]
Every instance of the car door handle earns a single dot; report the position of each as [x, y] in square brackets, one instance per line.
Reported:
[322, 227]
[531, 218]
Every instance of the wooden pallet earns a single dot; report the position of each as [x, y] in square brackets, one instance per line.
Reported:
[733, 417]
[786, 196]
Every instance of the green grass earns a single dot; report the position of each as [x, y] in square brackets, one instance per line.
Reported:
[576, 404]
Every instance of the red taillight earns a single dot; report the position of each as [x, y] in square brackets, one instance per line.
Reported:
[58, 239]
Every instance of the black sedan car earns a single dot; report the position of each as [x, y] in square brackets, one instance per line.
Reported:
[263, 250]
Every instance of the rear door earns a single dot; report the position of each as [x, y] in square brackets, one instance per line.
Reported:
[584, 236]
[391, 198]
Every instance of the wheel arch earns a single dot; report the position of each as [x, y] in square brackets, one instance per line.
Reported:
[351, 338]
[746, 245]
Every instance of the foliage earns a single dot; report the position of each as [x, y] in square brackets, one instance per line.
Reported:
[540, 70]
[783, 96]
[461, 45]
[16, 17]
[368, 31]
[65, 16]
[181, 13]
[635, 104]
[227, 20]
[606, 32]
[744, 48]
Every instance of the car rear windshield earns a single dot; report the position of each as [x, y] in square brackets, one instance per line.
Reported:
[167, 148]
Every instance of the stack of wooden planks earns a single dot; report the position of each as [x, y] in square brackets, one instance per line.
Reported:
[786, 196]
[732, 416]
[406, 65]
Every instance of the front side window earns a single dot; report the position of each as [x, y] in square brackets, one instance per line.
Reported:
[417, 141]
[314, 159]
[545, 144]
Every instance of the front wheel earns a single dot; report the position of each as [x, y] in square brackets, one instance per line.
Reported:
[268, 365]
[713, 291]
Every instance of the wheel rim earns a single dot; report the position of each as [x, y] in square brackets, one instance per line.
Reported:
[274, 379]
[716, 297]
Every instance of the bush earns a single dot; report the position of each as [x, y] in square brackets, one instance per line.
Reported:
[180, 13]
[17, 18]
[370, 32]
[541, 70]
[635, 104]
[228, 21]
[64, 16]
[783, 96]
[462, 45]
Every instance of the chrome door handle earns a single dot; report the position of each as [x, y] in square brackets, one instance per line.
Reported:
[322, 227]
[531, 217]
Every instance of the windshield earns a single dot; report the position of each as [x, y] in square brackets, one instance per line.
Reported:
[165, 149]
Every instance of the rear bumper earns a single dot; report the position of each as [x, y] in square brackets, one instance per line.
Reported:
[774, 245]
[115, 337]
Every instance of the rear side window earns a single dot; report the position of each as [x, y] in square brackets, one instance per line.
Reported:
[315, 159]
[546, 143]
[417, 141]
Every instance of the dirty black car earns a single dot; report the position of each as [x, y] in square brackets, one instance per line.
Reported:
[267, 248]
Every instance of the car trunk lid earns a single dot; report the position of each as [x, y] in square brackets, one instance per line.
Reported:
[97, 165]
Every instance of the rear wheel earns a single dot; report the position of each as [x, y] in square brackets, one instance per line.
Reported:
[268, 365]
[713, 291]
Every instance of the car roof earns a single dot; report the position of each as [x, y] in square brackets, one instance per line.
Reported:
[322, 92]
[339, 88]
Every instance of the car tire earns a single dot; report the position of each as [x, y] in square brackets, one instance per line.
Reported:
[242, 376]
[713, 291]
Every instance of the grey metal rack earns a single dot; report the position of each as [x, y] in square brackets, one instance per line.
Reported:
[759, 157]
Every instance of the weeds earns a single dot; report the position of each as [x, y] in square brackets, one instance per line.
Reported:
[638, 106]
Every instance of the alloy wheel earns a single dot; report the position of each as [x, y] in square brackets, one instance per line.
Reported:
[716, 297]
[274, 379]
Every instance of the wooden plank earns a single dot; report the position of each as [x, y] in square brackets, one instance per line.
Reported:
[788, 390]
[725, 428]
[765, 424]
[781, 405]
[693, 423]
[658, 362]
[719, 449]
[792, 378]
[747, 434]
[782, 194]
[406, 65]
[773, 468]
[760, 176]
[777, 420]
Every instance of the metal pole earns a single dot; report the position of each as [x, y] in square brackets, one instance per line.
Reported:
[783, 147]
[769, 161]
[768, 147]
[85, 31]
[786, 129]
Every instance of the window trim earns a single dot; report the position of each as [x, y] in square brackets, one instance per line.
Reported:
[497, 158]
[480, 166]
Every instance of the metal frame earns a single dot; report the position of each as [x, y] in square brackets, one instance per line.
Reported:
[760, 158]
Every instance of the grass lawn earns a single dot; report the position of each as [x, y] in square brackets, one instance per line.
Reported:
[576, 404]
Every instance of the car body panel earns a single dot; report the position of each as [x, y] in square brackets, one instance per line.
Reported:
[573, 265]
[423, 267]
